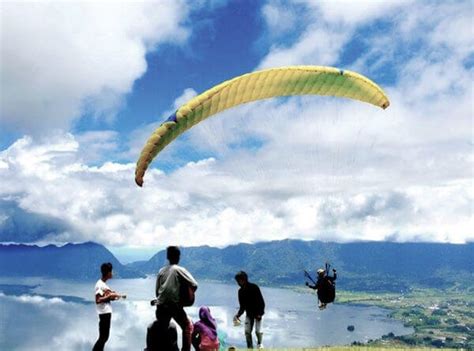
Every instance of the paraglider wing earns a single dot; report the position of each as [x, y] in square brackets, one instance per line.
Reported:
[282, 81]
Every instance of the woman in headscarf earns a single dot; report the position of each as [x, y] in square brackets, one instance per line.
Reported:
[204, 336]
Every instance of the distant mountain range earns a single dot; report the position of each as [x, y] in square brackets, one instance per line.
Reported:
[364, 266]
[71, 261]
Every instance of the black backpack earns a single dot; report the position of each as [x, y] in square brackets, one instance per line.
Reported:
[186, 292]
[327, 292]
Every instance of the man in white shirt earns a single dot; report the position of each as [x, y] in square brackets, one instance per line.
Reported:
[103, 296]
[170, 283]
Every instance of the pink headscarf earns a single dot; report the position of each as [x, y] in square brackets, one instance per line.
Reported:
[207, 324]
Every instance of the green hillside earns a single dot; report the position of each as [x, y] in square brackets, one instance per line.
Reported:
[441, 318]
[362, 266]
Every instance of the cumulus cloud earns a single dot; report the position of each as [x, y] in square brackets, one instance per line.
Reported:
[60, 60]
[307, 167]
[57, 330]
[279, 19]
[16, 223]
[288, 188]
[97, 146]
[411, 155]
[35, 299]
[327, 27]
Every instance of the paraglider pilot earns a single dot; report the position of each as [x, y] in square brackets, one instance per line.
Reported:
[325, 286]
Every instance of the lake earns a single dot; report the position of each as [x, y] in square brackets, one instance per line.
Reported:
[50, 314]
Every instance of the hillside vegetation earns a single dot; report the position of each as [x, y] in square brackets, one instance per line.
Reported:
[364, 266]
[441, 318]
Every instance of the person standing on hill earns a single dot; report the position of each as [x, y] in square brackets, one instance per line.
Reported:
[172, 283]
[252, 303]
[103, 296]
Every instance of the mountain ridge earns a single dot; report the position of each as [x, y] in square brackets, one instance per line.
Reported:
[367, 265]
[362, 266]
[69, 261]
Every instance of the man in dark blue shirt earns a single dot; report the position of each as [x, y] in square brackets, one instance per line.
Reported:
[252, 303]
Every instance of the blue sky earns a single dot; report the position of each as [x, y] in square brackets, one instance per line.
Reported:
[78, 102]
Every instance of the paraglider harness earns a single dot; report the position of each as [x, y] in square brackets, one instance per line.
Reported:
[326, 286]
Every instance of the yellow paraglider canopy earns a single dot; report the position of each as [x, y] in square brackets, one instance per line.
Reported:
[282, 81]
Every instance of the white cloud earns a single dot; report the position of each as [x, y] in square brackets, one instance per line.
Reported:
[58, 331]
[61, 59]
[356, 12]
[98, 145]
[328, 27]
[308, 167]
[187, 95]
[277, 193]
[316, 46]
[36, 299]
[279, 18]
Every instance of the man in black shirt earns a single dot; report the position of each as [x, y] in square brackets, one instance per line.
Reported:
[252, 303]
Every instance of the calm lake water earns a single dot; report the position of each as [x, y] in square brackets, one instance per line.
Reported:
[60, 315]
